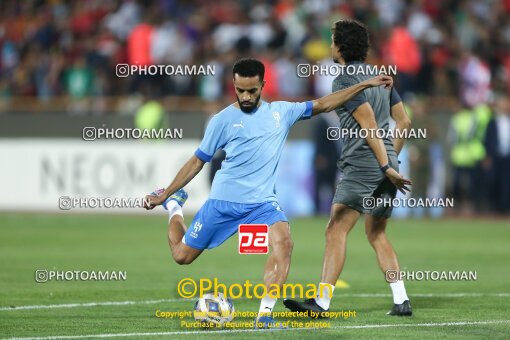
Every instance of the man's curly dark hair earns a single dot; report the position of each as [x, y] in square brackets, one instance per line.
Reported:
[351, 39]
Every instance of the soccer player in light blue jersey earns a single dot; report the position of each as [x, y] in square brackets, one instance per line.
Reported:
[252, 132]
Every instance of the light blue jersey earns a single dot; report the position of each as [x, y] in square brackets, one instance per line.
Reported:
[253, 143]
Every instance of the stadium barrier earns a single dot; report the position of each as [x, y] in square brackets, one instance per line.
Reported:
[36, 173]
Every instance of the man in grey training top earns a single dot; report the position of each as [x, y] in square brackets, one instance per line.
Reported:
[370, 170]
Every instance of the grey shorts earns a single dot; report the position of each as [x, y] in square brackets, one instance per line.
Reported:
[361, 185]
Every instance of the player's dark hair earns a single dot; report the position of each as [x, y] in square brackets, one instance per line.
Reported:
[248, 67]
[351, 39]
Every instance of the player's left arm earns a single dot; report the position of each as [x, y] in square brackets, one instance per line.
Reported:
[402, 121]
[339, 98]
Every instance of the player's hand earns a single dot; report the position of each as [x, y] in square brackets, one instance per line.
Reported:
[153, 201]
[382, 79]
[398, 180]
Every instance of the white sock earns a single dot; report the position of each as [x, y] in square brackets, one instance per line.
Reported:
[325, 294]
[266, 305]
[173, 209]
[399, 292]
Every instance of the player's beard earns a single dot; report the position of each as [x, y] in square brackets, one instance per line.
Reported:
[250, 107]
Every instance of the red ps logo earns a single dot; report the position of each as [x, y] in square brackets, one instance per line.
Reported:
[253, 239]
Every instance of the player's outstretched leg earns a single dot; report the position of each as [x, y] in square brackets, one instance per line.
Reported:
[181, 253]
[375, 228]
[276, 270]
[342, 220]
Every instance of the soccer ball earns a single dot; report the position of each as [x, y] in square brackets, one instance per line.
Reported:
[216, 310]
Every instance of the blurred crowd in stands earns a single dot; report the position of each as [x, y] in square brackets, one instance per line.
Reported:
[457, 49]
[53, 47]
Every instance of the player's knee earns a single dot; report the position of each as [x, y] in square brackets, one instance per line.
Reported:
[331, 225]
[289, 245]
[182, 258]
[285, 246]
[334, 229]
[337, 220]
[375, 236]
[179, 259]
[336, 215]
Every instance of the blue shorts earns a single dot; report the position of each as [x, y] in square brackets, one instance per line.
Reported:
[217, 220]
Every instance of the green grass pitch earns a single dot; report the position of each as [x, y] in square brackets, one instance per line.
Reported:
[137, 245]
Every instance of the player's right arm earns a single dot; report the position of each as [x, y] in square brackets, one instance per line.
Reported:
[213, 140]
[189, 170]
[365, 117]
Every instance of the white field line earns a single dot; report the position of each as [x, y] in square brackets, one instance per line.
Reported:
[427, 295]
[151, 302]
[231, 331]
[91, 304]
